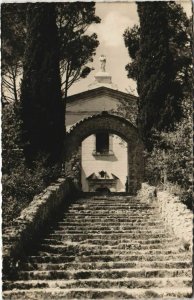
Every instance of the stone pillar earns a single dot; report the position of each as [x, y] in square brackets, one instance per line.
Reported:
[73, 167]
[135, 167]
[131, 170]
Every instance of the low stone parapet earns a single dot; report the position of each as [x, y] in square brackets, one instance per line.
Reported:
[177, 217]
[33, 220]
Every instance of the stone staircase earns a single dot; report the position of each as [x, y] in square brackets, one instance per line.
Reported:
[105, 248]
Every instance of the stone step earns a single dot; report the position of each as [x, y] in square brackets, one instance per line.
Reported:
[92, 206]
[111, 210]
[103, 265]
[85, 248]
[131, 225]
[133, 215]
[128, 222]
[96, 293]
[92, 258]
[113, 206]
[118, 233]
[101, 283]
[115, 220]
[92, 245]
[127, 214]
[141, 233]
[108, 274]
[133, 228]
[80, 236]
[107, 225]
[110, 205]
[130, 211]
[115, 201]
[107, 203]
[124, 242]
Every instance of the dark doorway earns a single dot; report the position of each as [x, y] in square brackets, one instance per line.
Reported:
[103, 190]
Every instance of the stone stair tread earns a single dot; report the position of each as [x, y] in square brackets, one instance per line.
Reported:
[103, 246]
[113, 247]
[102, 282]
[115, 265]
[125, 257]
[119, 234]
[109, 251]
[111, 243]
[106, 273]
[112, 293]
[150, 241]
[144, 232]
[59, 281]
[145, 269]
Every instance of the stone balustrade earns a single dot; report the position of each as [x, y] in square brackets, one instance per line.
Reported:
[178, 218]
[33, 221]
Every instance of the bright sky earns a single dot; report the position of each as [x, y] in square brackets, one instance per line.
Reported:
[115, 18]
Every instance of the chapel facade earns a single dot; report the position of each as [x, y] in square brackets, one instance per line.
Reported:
[104, 155]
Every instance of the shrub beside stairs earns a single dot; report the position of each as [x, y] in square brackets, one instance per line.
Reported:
[105, 247]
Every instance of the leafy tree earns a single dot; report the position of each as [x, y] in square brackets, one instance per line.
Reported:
[76, 47]
[11, 152]
[41, 102]
[176, 50]
[159, 93]
[180, 37]
[128, 109]
[41, 109]
[13, 43]
[19, 182]
[170, 161]
[132, 40]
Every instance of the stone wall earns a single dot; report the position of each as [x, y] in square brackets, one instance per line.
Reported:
[33, 221]
[178, 218]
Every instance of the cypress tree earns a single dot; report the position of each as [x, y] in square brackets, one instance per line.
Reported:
[41, 101]
[159, 93]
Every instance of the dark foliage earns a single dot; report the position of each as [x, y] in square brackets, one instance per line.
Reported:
[13, 33]
[164, 62]
[41, 102]
[76, 46]
[180, 37]
[19, 182]
[159, 93]
[13, 19]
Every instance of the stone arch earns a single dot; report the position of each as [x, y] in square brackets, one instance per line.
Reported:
[116, 125]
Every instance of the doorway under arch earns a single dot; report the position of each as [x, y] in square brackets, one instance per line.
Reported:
[115, 125]
[103, 190]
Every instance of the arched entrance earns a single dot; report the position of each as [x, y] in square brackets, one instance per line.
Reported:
[115, 125]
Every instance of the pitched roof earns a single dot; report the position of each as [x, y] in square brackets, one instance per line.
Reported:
[101, 91]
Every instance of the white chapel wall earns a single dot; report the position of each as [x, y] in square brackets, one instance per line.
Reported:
[83, 108]
[116, 164]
